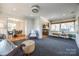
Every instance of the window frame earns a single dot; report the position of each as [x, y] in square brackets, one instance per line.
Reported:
[60, 24]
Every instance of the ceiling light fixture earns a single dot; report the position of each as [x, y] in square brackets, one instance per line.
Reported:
[35, 8]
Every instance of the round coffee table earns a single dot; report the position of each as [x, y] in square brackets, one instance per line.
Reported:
[29, 46]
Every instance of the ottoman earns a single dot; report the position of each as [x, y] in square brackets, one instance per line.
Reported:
[29, 46]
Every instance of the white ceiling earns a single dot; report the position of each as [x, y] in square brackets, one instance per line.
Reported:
[48, 10]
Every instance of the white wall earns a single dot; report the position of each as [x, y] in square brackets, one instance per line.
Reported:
[38, 26]
[39, 21]
[77, 27]
[33, 24]
[50, 29]
[77, 33]
[28, 26]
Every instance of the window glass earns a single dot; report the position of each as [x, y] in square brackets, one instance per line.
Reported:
[11, 26]
[55, 27]
[1, 25]
[67, 27]
[3, 28]
[63, 27]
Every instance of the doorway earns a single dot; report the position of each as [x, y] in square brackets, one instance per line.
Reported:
[45, 30]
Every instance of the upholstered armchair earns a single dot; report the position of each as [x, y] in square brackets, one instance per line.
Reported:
[18, 51]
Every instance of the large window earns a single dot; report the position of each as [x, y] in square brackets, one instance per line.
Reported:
[55, 27]
[16, 24]
[63, 27]
[67, 27]
[1, 25]
[11, 26]
[3, 29]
